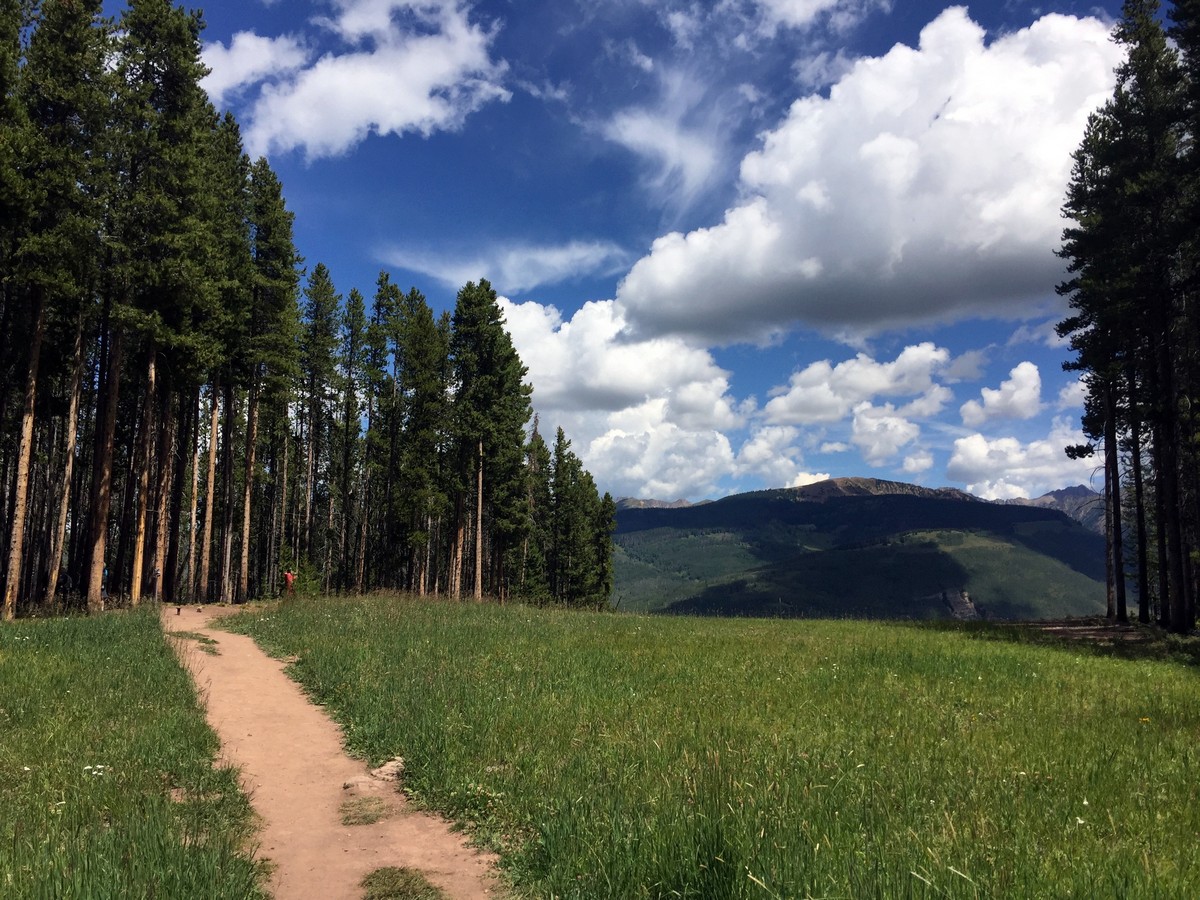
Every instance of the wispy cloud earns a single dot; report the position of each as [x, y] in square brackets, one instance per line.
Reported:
[514, 268]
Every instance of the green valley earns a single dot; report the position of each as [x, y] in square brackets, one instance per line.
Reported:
[861, 548]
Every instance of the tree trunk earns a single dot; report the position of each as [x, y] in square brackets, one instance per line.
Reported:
[1168, 461]
[360, 562]
[182, 450]
[24, 455]
[143, 479]
[1139, 509]
[209, 500]
[479, 524]
[102, 478]
[456, 551]
[164, 526]
[190, 591]
[247, 489]
[283, 498]
[60, 530]
[308, 483]
[1113, 479]
[230, 411]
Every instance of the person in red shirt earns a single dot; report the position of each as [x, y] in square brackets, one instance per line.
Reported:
[289, 579]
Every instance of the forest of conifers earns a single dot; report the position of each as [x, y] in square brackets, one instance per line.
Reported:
[1132, 248]
[186, 412]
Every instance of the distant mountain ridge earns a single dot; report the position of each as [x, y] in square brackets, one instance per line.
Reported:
[875, 487]
[860, 547]
[636, 503]
[1080, 502]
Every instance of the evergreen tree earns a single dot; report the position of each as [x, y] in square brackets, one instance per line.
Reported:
[422, 349]
[539, 543]
[273, 355]
[318, 340]
[491, 407]
[63, 97]
[1129, 326]
[353, 362]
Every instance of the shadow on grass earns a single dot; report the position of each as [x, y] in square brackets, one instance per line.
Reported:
[1094, 635]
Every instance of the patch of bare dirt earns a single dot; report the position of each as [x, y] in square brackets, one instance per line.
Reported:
[1096, 632]
[299, 779]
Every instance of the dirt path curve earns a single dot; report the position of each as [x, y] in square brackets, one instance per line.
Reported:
[299, 777]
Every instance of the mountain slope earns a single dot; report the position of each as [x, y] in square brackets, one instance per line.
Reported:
[858, 547]
[1081, 503]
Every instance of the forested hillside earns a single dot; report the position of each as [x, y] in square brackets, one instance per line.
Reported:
[186, 411]
[859, 547]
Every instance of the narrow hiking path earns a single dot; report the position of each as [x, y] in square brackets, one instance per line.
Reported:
[300, 780]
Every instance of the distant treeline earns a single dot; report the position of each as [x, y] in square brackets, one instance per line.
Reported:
[178, 418]
[1134, 290]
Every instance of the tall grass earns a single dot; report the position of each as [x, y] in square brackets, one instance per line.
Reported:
[106, 783]
[623, 756]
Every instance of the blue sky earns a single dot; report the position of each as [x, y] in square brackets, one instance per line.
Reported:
[742, 244]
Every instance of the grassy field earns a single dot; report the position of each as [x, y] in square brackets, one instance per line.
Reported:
[106, 783]
[716, 572]
[626, 756]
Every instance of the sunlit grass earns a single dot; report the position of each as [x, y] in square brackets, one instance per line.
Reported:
[624, 756]
[106, 783]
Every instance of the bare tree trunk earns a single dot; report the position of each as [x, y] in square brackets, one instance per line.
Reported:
[247, 490]
[209, 500]
[16, 542]
[60, 530]
[166, 476]
[456, 550]
[1168, 462]
[360, 563]
[308, 485]
[102, 481]
[283, 499]
[1139, 506]
[479, 524]
[327, 574]
[227, 501]
[190, 591]
[1114, 478]
[143, 479]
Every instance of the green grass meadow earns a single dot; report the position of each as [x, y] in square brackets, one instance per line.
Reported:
[107, 788]
[627, 756]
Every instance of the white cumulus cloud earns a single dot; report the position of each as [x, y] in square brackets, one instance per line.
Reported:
[404, 66]
[1005, 468]
[879, 432]
[1020, 397]
[649, 417]
[1071, 396]
[824, 392]
[249, 59]
[926, 186]
[643, 455]
[771, 454]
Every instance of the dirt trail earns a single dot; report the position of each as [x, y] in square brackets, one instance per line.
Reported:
[298, 777]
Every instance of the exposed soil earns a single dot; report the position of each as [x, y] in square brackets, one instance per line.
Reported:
[301, 782]
[1095, 631]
